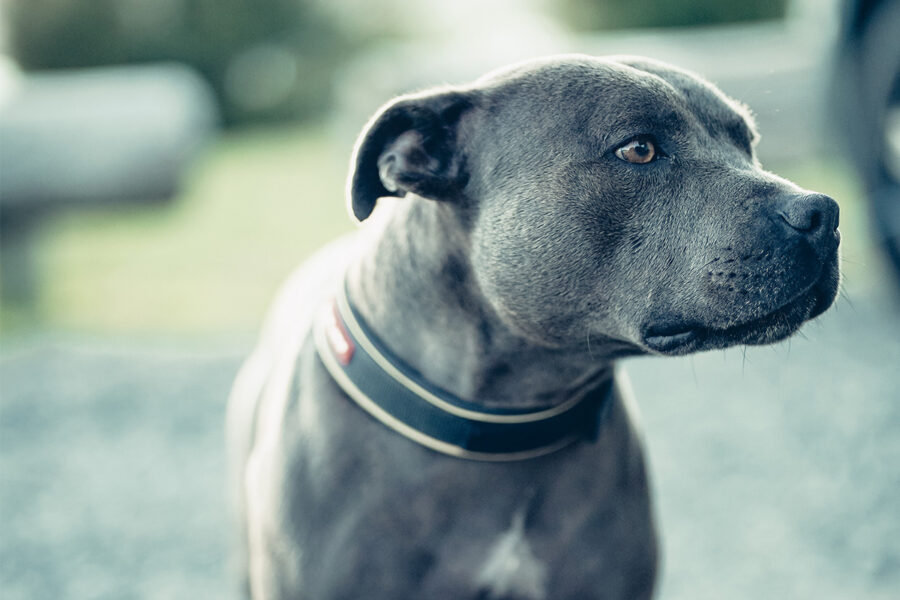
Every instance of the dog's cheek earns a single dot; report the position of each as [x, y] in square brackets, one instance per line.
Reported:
[537, 273]
[652, 254]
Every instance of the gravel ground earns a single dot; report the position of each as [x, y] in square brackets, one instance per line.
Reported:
[776, 470]
[113, 474]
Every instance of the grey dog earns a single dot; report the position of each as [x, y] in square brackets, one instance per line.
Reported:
[546, 220]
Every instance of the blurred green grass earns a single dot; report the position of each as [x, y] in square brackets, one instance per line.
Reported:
[208, 262]
[252, 209]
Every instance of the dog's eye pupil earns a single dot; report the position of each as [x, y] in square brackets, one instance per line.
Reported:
[639, 151]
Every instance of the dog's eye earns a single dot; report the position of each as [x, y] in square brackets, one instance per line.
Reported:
[639, 150]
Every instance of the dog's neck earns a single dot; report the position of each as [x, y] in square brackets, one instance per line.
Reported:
[414, 287]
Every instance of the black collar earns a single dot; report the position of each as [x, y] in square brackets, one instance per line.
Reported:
[395, 394]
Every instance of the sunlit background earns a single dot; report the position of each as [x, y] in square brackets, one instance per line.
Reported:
[164, 164]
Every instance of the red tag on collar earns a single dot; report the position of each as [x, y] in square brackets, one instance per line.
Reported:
[338, 339]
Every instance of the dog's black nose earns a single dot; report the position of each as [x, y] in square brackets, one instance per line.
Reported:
[813, 215]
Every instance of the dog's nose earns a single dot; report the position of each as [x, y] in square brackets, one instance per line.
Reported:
[813, 215]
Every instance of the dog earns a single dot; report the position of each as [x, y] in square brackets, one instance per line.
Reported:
[433, 409]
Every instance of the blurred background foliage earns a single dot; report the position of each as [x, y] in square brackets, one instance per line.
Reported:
[265, 59]
[591, 15]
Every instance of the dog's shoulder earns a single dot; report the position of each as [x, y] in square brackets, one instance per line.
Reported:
[272, 368]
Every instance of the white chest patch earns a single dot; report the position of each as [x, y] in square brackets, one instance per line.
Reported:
[511, 568]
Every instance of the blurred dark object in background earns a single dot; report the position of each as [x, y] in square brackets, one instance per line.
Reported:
[593, 15]
[265, 59]
[94, 136]
[867, 106]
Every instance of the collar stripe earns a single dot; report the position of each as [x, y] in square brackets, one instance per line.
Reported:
[398, 397]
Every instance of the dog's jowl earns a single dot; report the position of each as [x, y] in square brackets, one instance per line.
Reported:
[433, 411]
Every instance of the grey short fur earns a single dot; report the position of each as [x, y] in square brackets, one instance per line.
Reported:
[524, 257]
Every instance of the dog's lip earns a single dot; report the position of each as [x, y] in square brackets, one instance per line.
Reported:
[667, 338]
[674, 337]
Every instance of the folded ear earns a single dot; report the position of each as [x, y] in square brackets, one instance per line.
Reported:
[410, 145]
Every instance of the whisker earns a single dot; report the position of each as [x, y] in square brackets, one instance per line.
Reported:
[845, 296]
[851, 261]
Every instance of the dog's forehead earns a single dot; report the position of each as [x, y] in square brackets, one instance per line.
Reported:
[573, 78]
[707, 102]
[619, 86]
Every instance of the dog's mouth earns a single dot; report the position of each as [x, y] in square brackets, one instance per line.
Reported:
[682, 337]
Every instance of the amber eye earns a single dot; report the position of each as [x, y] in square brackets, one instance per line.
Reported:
[639, 150]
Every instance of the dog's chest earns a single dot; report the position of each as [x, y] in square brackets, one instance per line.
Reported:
[438, 548]
[511, 568]
[390, 519]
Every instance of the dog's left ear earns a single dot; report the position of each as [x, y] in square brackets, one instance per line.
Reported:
[410, 145]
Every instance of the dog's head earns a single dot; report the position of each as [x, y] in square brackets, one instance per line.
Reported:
[611, 201]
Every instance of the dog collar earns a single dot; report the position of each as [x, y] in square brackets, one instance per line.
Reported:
[395, 394]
